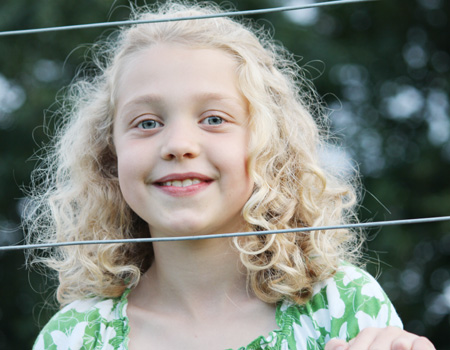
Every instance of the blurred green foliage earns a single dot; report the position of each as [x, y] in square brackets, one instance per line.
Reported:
[383, 69]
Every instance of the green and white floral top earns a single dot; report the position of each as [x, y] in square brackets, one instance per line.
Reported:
[340, 308]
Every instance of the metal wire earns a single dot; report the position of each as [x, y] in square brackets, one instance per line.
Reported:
[213, 236]
[223, 14]
[228, 235]
[225, 235]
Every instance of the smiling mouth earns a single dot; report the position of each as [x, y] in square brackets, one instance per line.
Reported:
[181, 183]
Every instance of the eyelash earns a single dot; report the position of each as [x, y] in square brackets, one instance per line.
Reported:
[156, 124]
[222, 120]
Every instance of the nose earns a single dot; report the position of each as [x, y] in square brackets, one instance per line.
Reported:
[181, 141]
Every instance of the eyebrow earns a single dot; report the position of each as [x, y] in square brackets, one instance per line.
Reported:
[143, 100]
[204, 96]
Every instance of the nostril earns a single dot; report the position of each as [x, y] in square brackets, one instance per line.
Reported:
[179, 145]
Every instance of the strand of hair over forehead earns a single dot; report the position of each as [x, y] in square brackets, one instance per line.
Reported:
[228, 235]
[222, 14]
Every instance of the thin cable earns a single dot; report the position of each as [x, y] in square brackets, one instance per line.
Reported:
[227, 235]
[223, 14]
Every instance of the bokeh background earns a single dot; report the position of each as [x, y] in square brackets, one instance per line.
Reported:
[383, 69]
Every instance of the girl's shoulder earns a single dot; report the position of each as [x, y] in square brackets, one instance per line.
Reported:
[340, 307]
[94, 323]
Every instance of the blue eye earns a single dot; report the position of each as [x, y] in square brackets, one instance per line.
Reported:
[213, 120]
[149, 124]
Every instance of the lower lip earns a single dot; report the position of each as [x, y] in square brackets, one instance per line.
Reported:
[184, 191]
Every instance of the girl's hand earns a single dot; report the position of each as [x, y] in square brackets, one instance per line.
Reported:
[389, 338]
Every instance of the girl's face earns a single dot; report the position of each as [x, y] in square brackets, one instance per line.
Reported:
[181, 139]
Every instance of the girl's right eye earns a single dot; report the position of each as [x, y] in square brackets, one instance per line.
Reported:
[149, 124]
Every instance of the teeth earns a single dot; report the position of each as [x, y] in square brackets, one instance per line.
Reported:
[187, 182]
[184, 183]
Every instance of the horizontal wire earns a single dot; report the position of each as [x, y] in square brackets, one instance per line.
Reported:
[224, 235]
[223, 14]
[227, 235]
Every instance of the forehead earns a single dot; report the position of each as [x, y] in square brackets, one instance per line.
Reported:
[170, 68]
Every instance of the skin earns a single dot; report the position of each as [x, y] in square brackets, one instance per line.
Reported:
[389, 338]
[177, 119]
[184, 114]
[181, 116]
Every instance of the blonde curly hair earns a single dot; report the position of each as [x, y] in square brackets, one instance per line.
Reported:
[76, 194]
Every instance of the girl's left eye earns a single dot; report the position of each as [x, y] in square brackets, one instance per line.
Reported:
[213, 120]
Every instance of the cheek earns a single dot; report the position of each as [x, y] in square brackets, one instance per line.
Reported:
[244, 156]
[129, 171]
[125, 182]
[250, 183]
[123, 167]
[238, 171]
[131, 159]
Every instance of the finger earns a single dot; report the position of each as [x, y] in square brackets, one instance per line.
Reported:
[383, 338]
[422, 343]
[364, 339]
[403, 343]
[336, 344]
[409, 341]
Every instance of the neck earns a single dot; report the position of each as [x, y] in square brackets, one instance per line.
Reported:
[194, 275]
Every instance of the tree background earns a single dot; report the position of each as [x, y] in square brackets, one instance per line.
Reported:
[383, 70]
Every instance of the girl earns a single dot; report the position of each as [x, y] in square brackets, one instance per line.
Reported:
[196, 128]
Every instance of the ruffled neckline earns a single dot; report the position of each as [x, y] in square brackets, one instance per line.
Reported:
[268, 342]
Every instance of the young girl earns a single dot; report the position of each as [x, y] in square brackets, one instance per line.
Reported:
[196, 128]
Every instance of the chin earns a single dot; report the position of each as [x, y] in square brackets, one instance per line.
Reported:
[187, 225]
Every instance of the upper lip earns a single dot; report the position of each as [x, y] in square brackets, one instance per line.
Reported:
[183, 176]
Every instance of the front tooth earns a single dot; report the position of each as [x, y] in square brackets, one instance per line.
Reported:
[177, 183]
[187, 182]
